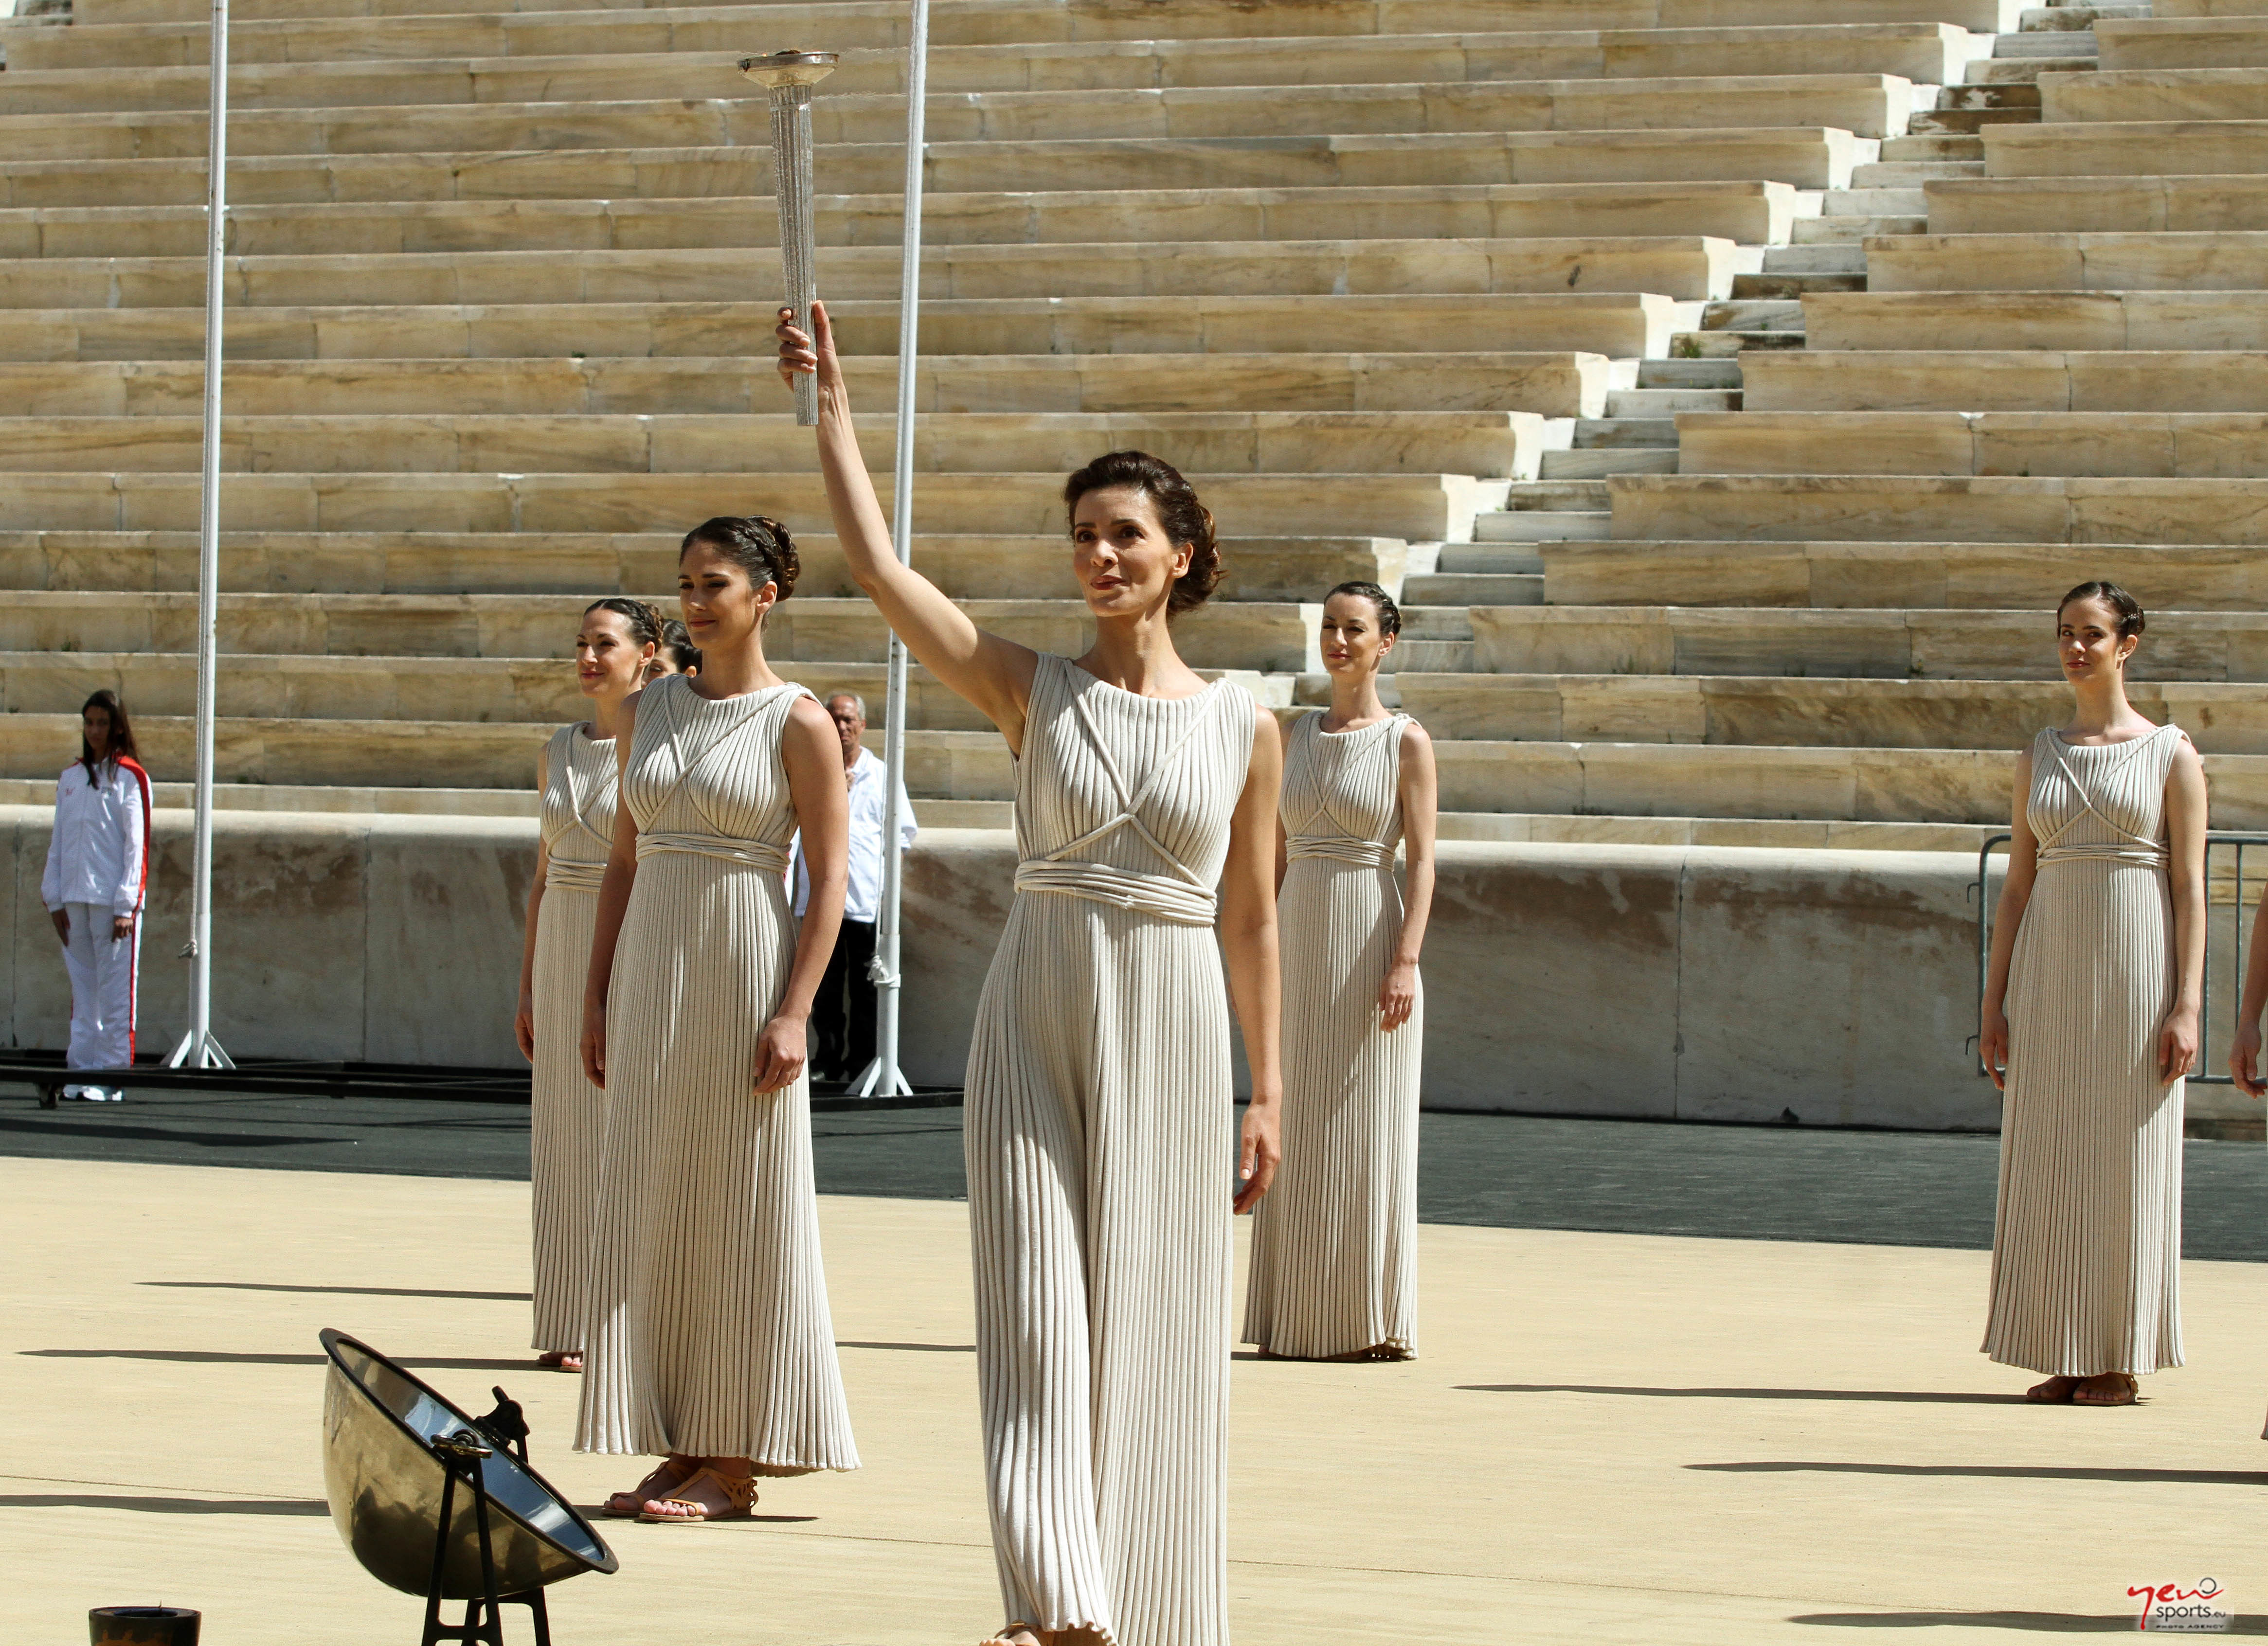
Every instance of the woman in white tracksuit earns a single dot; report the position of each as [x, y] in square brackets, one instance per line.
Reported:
[97, 869]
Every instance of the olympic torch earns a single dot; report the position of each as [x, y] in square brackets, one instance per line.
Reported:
[789, 77]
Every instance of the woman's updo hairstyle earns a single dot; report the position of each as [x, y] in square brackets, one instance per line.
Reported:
[2128, 608]
[759, 546]
[1390, 615]
[1185, 520]
[644, 623]
[677, 645]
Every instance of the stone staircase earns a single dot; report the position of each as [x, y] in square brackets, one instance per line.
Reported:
[1725, 386]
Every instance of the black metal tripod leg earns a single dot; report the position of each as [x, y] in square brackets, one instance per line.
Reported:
[436, 1630]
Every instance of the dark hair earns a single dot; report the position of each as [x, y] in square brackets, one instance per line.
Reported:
[1186, 520]
[2129, 609]
[759, 546]
[1390, 615]
[644, 622]
[677, 645]
[122, 731]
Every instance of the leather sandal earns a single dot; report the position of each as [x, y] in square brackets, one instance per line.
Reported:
[739, 1497]
[2057, 1390]
[561, 1360]
[1009, 1631]
[672, 1474]
[2124, 1396]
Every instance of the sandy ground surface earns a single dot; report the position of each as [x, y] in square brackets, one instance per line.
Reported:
[1619, 1437]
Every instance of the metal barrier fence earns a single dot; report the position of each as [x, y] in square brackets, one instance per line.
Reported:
[2211, 1053]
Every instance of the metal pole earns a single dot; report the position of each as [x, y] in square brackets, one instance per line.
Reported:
[198, 1047]
[882, 1078]
[789, 76]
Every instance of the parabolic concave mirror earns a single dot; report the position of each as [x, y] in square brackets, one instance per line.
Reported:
[384, 1481]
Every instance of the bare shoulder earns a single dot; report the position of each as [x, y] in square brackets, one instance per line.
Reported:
[809, 724]
[1416, 739]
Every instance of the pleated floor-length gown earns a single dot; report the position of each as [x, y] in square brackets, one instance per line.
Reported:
[709, 1329]
[568, 1114]
[2086, 1242]
[1335, 1242]
[1102, 1162]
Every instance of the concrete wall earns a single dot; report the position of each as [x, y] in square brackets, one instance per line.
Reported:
[1713, 983]
[386, 939]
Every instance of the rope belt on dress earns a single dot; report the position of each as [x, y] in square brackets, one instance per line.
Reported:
[1155, 894]
[2148, 856]
[1371, 854]
[754, 853]
[573, 874]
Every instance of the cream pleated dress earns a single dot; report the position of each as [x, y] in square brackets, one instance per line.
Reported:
[709, 1330]
[1334, 1243]
[1102, 1163]
[2086, 1245]
[568, 1111]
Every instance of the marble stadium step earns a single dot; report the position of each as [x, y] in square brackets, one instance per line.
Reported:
[590, 564]
[1753, 212]
[2185, 445]
[2003, 380]
[496, 691]
[1832, 644]
[2207, 42]
[658, 50]
[1615, 779]
[1945, 148]
[1801, 508]
[436, 104]
[1965, 110]
[2233, 319]
[1551, 385]
[1923, 576]
[1688, 266]
[1430, 508]
[1504, 445]
[2161, 203]
[2128, 149]
[1688, 374]
[1755, 712]
[2141, 260]
[2156, 94]
[1600, 460]
[1912, 173]
[1811, 159]
[1624, 326]
[976, 21]
[1577, 117]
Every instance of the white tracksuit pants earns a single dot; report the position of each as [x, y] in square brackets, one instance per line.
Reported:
[102, 979]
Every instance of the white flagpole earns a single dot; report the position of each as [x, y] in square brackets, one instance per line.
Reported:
[882, 1078]
[197, 1048]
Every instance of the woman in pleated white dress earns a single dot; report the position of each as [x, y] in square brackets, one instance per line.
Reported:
[1099, 1102]
[709, 1341]
[2091, 1001]
[1335, 1245]
[575, 775]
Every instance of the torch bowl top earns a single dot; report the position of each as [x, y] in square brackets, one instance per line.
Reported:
[790, 68]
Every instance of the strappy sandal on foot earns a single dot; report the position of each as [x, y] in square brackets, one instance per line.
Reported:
[630, 1505]
[2057, 1390]
[561, 1360]
[1009, 1633]
[739, 1497]
[2123, 1396]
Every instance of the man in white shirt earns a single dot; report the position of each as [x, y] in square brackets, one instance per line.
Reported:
[843, 1017]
